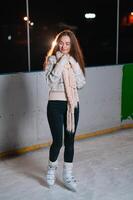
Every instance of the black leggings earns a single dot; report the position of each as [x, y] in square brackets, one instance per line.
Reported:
[56, 113]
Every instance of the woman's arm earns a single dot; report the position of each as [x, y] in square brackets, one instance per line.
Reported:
[54, 69]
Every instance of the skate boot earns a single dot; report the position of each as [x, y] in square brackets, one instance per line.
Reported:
[68, 178]
[51, 173]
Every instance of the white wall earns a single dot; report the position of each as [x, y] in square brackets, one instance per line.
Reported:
[101, 99]
[23, 104]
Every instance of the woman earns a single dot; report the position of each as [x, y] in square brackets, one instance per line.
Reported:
[65, 74]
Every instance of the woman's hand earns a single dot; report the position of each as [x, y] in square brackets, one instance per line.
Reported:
[59, 55]
[64, 59]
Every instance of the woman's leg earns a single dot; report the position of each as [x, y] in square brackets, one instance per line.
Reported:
[69, 138]
[55, 119]
[68, 178]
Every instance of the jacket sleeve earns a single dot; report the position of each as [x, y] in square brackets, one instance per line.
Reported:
[53, 71]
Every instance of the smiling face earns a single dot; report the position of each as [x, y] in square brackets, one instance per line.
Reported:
[64, 44]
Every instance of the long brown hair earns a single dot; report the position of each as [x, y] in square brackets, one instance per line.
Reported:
[75, 49]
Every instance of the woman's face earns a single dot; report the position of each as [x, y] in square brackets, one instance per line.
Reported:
[64, 44]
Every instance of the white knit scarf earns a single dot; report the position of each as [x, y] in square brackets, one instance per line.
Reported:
[72, 96]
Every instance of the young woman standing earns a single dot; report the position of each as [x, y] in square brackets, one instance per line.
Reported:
[65, 74]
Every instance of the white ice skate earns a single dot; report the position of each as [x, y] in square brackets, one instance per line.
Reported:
[51, 173]
[68, 178]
